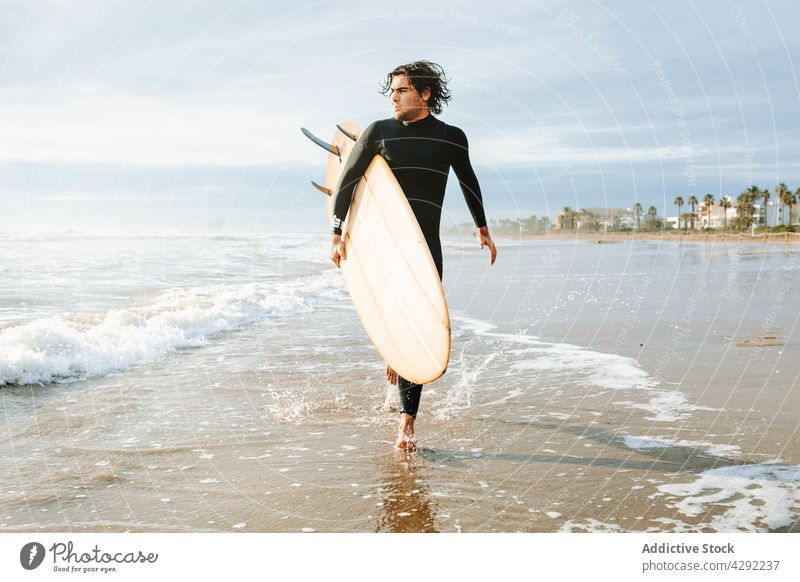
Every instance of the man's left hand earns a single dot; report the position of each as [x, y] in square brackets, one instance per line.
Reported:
[485, 240]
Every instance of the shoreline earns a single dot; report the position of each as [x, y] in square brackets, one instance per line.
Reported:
[692, 237]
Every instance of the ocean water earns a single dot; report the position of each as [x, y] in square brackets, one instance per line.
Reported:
[223, 383]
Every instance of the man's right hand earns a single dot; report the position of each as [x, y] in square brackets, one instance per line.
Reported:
[337, 250]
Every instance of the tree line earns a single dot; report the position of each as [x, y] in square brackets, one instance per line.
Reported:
[745, 206]
[570, 219]
[744, 219]
[531, 225]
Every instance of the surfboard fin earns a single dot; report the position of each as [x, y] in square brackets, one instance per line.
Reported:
[323, 189]
[323, 144]
[347, 133]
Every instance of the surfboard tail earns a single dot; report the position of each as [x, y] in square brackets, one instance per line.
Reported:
[322, 143]
[323, 189]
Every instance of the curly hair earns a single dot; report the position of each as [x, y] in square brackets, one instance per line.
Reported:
[422, 75]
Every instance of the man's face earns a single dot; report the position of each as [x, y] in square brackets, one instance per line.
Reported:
[407, 103]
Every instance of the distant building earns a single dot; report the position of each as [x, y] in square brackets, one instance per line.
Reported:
[613, 217]
[713, 216]
[779, 213]
[706, 216]
[609, 218]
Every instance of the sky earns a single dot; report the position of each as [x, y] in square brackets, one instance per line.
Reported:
[181, 115]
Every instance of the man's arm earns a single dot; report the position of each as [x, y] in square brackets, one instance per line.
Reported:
[471, 189]
[363, 151]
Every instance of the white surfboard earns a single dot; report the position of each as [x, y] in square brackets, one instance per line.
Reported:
[389, 270]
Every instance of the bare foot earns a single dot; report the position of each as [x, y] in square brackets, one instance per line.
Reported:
[405, 434]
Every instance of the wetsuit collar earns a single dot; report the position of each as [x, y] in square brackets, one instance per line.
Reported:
[420, 122]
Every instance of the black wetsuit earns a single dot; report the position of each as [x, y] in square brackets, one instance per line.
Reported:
[420, 155]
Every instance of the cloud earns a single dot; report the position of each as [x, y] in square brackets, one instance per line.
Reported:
[155, 88]
[91, 125]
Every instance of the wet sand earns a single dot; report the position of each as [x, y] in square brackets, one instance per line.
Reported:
[591, 388]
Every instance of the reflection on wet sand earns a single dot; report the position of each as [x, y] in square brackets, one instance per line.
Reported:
[406, 506]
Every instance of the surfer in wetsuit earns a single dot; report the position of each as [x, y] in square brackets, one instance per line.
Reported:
[420, 150]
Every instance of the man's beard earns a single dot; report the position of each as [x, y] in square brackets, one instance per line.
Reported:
[406, 114]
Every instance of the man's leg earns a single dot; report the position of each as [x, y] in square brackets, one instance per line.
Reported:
[410, 395]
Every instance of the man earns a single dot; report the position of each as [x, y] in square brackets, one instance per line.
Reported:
[420, 150]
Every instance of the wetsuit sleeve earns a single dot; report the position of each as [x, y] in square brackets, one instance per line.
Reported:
[361, 155]
[466, 175]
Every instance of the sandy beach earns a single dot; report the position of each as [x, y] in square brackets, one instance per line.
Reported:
[647, 386]
[665, 236]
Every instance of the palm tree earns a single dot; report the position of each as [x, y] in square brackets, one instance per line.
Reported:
[693, 203]
[562, 217]
[679, 203]
[708, 200]
[764, 195]
[794, 201]
[789, 199]
[744, 210]
[637, 210]
[568, 218]
[754, 193]
[780, 191]
[725, 203]
[652, 213]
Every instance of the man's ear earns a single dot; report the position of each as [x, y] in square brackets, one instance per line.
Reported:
[426, 94]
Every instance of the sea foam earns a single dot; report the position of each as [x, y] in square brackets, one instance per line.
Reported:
[754, 497]
[68, 346]
[581, 366]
